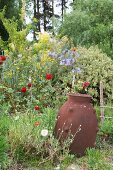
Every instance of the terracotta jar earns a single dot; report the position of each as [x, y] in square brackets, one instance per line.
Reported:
[77, 120]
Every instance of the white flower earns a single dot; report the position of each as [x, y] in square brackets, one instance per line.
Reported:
[30, 79]
[44, 132]
[72, 167]
[19, 55]
[57, 167]
[17, 117]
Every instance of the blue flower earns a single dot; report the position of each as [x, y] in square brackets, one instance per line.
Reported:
[76, 70]
[53, 54]
[67, 62]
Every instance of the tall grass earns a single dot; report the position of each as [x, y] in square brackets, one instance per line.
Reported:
[4, 125]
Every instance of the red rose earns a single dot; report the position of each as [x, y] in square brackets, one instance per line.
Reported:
[23, 89]
[29, 85]
[49, 76]
[85, 84]
[37, 123]
[1, 61]
[3, 58]
[37, 108]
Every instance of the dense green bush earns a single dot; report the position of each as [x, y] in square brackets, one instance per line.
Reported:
[95, 67]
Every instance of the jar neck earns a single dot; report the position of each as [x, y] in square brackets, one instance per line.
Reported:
[81, 98]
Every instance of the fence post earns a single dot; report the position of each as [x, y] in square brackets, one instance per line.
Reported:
[101, 102]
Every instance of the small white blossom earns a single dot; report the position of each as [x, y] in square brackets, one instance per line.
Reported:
[44, 132]
[57, 167]
[19, 55]
[30, 79]
[16, 118]
[72, 167]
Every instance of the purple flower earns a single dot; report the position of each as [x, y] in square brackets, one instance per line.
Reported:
[67, 62]
[59, 56]
[53, 54]
[76, 70]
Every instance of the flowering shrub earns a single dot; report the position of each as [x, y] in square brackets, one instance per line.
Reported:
[26, 66]
[95, 67]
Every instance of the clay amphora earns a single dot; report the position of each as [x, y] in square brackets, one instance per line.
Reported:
[77, 120]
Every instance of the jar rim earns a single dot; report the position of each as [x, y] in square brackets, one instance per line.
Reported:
[80, 95]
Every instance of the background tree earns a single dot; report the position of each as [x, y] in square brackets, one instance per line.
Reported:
[91, 23]
[44, 10]
[13, 9]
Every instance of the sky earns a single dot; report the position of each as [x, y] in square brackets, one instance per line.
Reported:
[57, 10]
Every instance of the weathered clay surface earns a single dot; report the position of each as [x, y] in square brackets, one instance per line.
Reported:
[77, 120]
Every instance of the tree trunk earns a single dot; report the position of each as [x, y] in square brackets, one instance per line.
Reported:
[34, 35]
[38, 14]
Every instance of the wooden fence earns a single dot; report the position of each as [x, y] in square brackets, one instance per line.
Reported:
[102, 107]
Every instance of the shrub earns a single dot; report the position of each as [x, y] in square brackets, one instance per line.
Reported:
[95, 67]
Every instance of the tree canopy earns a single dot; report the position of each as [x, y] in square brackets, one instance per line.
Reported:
[90, 23]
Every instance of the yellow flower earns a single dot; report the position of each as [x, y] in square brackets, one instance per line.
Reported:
[38, 66]
[74, 49]
[12, 46]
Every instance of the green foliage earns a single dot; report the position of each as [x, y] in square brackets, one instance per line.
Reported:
[12, 9]
[23, 131]
[96, 160]
[106, 128]
[3, 152]
[91, 23]
[27, 141]
[95, 67]
[4, 124]
[28, 63]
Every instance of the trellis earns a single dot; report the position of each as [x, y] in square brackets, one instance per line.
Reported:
[102, 107]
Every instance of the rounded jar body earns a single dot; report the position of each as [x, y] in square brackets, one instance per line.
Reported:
[77, 120]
